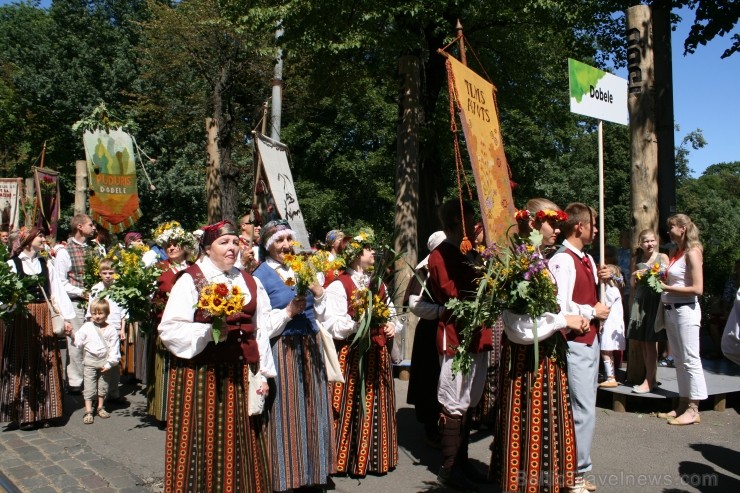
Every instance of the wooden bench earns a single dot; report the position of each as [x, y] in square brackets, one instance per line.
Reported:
[721, 375]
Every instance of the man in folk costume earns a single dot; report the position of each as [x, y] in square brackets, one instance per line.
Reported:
[577, 277]
[452, 275]
[70, 266]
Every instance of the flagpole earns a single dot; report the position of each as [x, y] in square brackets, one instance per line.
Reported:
[602, 232]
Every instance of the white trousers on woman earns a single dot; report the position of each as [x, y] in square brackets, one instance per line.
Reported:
[682, 326]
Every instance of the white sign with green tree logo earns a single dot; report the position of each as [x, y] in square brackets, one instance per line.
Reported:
[596, 93]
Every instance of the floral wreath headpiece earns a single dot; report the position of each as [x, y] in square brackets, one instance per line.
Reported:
[541, 216]
[365, 237]
[172, 232]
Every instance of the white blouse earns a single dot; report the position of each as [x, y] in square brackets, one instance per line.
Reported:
[185, 338]
[32, 267]
[335, 318]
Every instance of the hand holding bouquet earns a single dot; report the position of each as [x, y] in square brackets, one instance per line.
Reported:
[306, 268]
[652, 277]
[220, 301]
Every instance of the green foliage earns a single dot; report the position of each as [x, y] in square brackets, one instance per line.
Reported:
[13, 289]
[713, 204]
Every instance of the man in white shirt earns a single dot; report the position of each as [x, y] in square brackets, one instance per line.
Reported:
[576, 277]
[70, 266]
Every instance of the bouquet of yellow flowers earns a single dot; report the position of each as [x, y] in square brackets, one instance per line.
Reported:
[134, 285]
[652, 277]
[371, 307]
[306, 267]
[220, 301]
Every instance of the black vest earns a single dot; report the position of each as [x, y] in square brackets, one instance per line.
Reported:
[35, 289]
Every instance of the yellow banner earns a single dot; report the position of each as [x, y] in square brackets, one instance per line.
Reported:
[474, 98]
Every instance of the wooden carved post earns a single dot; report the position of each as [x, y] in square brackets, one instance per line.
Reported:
[407, 188]
[644, 143]
[213, 173]
[80, 187]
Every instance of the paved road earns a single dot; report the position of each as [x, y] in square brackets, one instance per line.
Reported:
[632, 452]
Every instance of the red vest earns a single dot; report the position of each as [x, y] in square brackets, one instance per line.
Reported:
[240, 345]
[584, 293]
[451, 275]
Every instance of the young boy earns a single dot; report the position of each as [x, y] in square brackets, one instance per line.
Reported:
[116, 319]
[100, 344]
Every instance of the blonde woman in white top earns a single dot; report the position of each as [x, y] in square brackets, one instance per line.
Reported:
[684, 282]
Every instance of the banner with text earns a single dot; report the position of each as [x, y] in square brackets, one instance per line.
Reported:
[596, 93]
[10, 203]
[111, 170]
[277, 198]
[474, 98]
[47, 207]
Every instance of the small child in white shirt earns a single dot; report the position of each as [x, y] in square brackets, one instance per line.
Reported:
[116, 319]
[612, 332]
[100, 342]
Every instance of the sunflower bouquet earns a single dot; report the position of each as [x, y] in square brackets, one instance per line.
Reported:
[306, 267]
[652, 277]
[14, 290]
[220, 300]
[134, 285]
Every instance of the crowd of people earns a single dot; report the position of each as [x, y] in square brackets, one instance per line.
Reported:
[246, 399]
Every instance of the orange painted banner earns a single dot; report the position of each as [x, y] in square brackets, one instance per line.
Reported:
[474, 98]
[111, 169]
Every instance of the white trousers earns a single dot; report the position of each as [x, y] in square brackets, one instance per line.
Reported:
[457, 392]
[75, 355]
[583, 380]
[682, 326]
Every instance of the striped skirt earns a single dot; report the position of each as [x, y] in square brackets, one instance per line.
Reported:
[301, 440]
[158, 382]
[212, 445]
[534, 447]
[484, 413]
[31, 372]
[365, 431]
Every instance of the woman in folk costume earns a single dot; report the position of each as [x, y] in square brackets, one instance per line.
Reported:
[212, 444]
[535, 446]
[179, 246]
[301, 442]
[365, 430]
[31, 371]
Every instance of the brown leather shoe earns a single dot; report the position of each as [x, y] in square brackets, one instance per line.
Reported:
[589, 485]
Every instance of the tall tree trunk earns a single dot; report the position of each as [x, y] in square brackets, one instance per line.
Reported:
[644, 143]
[213, 172]
[407, 181]
[664, 123]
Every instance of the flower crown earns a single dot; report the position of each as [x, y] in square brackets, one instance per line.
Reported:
[172, 232]
[364, 237]
[541, 216]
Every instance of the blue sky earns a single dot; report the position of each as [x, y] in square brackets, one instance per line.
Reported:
[705, 96]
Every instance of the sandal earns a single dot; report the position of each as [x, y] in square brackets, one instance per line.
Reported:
[88, 418]
[102, 413]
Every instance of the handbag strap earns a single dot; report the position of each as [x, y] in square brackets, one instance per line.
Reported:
[48, 302]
